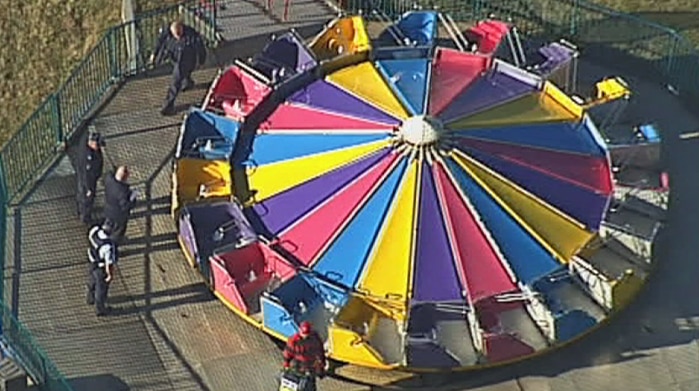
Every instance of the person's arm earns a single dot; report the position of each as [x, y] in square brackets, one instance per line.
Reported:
[109, 257]
[157, 55]
[289, 353]
[201, 48]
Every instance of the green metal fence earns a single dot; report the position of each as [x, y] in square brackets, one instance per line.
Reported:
[123, 51]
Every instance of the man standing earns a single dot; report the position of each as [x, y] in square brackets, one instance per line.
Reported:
[102, 255]
[88, 170]
[119, 199]
[304, 355]
[183, 46]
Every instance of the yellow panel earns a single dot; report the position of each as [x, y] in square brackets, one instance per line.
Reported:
[560, 234]
[610, 90]
[348, 346]
[535, 108]
[364, 81]
[343, 36]
[274, 178]
[563, 100]
[193, 175]
[388, 272]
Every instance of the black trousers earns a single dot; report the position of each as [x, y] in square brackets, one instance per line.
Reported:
[181, 79]
[85, 202]
[97, 288]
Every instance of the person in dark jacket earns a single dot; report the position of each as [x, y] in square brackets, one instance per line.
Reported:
[102, 256]
[304, 354]
[184, 47]
[88, 170]
[119, 199]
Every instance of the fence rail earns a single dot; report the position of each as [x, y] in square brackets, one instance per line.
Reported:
[119, 55]
[122, 51]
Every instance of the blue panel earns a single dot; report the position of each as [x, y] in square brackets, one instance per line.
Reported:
[527, 258]
[277, 319]
[270, 148]
[408, 78]
[207, 135]
[580, 203]
[568, 322]
[344, 260]
[569, 137]
[420, 27]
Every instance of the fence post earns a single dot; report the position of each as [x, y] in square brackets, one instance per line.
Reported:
[573, 28]
[3, 237]
[58, 117]
[113, 62]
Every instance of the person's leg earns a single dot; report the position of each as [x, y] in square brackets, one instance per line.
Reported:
[90, 284]
[101, 290]
[80, 195]
[118, 229]
[173, 91]
[188, 82]
[88, 203]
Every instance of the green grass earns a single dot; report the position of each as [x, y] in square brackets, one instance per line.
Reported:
[43, 42]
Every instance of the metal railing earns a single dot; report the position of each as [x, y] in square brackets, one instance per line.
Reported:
[122, 51]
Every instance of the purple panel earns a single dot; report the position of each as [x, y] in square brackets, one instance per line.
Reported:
[206, 219]
[280, 211]
[187, 236]
[429, 355]
[579, 203]
[486, 92]
[435, 272]
[325, 96]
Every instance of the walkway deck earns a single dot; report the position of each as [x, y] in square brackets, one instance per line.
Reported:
[170, 334]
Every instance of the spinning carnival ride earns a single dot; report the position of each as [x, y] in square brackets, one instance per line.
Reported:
[425, 207]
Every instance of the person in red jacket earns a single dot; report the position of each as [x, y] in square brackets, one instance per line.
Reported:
[304, 354]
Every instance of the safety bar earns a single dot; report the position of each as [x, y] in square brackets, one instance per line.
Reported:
[451, 32]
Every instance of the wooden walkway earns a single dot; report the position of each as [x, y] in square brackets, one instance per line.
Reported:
[170, 334]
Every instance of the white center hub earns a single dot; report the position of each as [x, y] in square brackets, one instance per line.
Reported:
[420, 130]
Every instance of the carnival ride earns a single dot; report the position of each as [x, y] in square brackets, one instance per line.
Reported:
[425, 203]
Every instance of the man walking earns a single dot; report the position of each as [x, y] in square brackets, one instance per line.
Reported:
[102, 255]
[88, 170]
[183, 46]
[119, 199]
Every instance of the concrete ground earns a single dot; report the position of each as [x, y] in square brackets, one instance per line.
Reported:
[169, 333]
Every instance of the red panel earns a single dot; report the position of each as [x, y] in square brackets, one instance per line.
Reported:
[276, 264]
[237, 93]
[224, 285]
[586, 171]
[294, 117]
[488, 35]
[504, 347]
[307, 237]
[479, 264]
[452, 72]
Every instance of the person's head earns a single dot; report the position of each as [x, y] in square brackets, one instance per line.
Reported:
[94, 140]
[305, 329]
[107, 227]
[177, 29]
[121, 174]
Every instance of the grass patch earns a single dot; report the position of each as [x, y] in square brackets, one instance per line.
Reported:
[43, 42]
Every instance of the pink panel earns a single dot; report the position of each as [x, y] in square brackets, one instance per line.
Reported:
[276, 264]
[237, 93]
[488, 35]
[452, 72]
[307, 237]
[503, 347]
[586, 171]
[293, 117]
[479, 264]
[225, 285]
